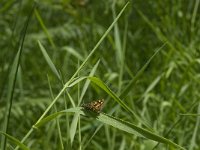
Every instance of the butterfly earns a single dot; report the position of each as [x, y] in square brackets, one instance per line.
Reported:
[94, 106]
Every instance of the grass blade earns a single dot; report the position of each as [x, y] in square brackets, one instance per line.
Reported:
[114, 122]
[76, 116]
[44, 28]
[15, 141]
[73, 127]
[195, 132]
[13, 76]
[49, 61]
[103, 86]
[53, 116]
[133, 81]
[99, 42]
[192, 115]
[73, 52]
[133, 129]
[57, 120]
[88, 82]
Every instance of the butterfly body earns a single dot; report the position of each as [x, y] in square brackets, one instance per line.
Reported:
[94, 106]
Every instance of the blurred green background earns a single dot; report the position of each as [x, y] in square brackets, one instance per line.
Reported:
[69, 29]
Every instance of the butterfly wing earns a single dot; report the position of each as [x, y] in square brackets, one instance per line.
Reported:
[95, 106]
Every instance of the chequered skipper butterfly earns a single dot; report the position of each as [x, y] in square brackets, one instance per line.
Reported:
[95, 106]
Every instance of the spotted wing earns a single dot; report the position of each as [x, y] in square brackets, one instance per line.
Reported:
[95, 106]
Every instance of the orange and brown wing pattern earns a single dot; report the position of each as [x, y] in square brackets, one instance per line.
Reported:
[95, 106]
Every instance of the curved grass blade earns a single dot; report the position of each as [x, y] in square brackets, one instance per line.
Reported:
[49, 61]
[86, 85]
[15, 141]
[114, 122]
[53, 116]
[73, 52]
[133, 129]
[76, 81]
[102, 85]
[73, 127]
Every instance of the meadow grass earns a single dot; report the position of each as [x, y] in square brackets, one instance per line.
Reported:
[142, 58]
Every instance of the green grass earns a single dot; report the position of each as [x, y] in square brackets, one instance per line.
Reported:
[142, 58]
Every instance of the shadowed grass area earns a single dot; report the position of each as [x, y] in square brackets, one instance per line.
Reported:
[142, 58]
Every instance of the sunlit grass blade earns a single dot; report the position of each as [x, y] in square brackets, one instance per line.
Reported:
[73, 127]
[71, 99]
[118, 45]
[15, 141]
[103, 86]
[195, 132]
[86, 85]
[192, 115]
[53, 116]
[76, 81]
[194, 15]
[133, 129]
[121, 70]
[49, 61]
[123, 144]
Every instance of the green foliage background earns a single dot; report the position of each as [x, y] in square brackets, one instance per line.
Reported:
[69, 30]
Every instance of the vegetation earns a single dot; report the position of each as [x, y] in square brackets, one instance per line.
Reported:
[141, 57]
